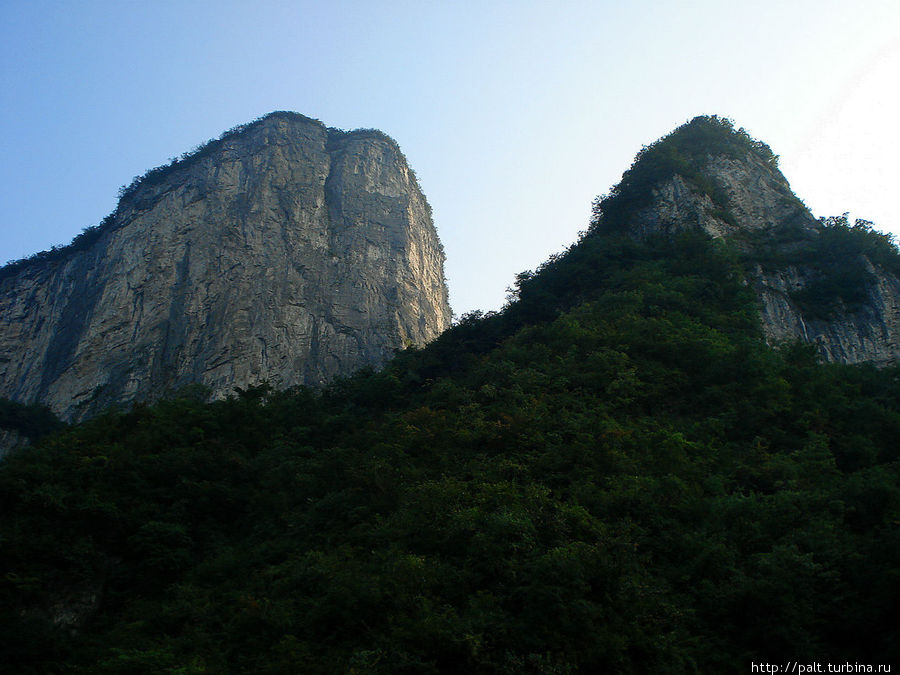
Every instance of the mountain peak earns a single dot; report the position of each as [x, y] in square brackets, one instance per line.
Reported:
[836, 287]
[283, 252]
[715, 135]
[705, 174]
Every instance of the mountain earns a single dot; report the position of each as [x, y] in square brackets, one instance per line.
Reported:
[615, 473]
[284, 252]
[825, 283]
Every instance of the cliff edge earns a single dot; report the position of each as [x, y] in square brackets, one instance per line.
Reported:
[826, 282]
[284, 252]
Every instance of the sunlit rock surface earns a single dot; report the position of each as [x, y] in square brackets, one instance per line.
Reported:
[287, 252]
[754, 201]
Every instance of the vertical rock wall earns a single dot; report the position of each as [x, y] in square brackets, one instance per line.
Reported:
[754, 206]
[286, 252]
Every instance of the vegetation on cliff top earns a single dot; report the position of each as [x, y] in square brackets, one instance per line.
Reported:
[836, 256]
[683, 152]
[614, 474]
[159, 174]
[31, 421]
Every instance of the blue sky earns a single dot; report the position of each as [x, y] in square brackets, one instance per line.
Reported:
[515, 115]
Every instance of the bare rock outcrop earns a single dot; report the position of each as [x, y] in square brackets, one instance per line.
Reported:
[868, 332]
[284, 252]
[707, 176]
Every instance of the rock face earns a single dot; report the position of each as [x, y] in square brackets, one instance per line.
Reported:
[284, 252]
[869, 332]
[709, 177]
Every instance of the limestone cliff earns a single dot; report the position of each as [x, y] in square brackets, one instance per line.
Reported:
[284, 251]
[829, 284]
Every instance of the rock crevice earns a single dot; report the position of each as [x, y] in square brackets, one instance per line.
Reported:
[730, 188]
[288, 252]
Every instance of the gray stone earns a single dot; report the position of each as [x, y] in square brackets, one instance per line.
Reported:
[288, 252]
[758, 198]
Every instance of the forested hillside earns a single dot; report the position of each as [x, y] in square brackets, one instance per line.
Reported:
[614, 474]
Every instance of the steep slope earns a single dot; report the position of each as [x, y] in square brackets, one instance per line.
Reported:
[829, 284]
[285, 251]
[613, 475]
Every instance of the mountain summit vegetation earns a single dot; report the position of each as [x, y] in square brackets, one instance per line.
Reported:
[613, 474]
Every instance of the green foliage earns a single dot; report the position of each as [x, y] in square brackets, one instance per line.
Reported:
[32, 421]
[614, 474]
[837, 256]
[683, 152]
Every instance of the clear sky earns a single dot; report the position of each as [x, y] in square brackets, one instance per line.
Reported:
[515, 115]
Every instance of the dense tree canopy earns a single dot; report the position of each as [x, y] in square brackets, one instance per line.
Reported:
[614, 474]
[682, 152]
